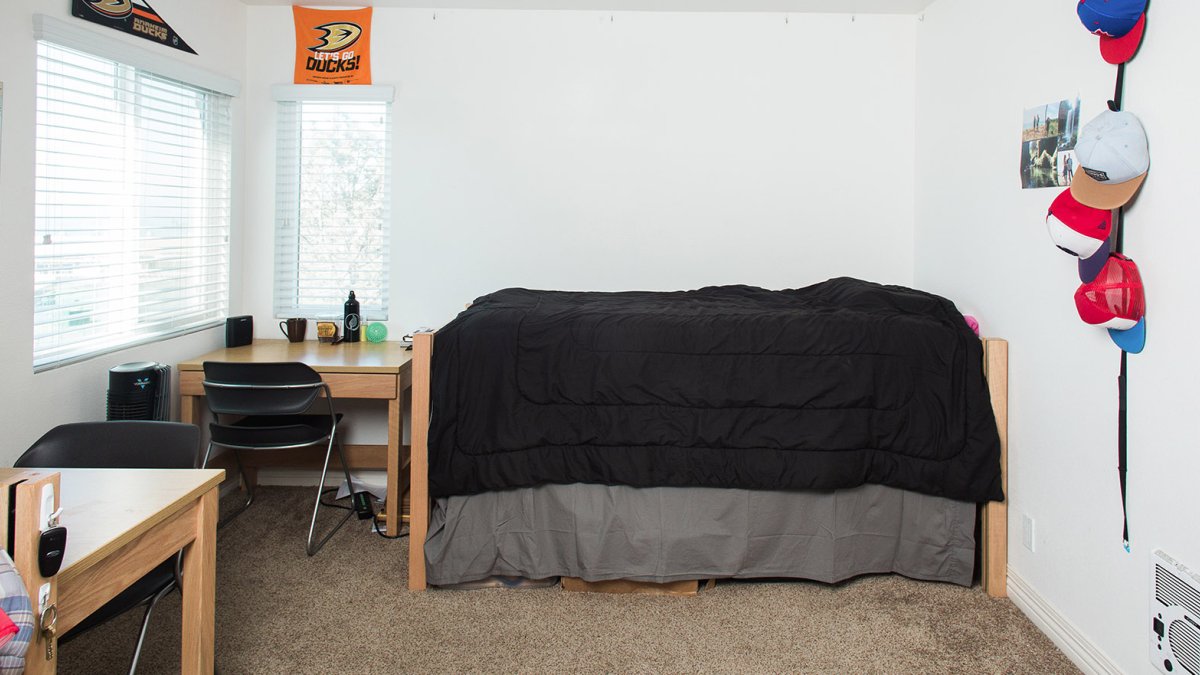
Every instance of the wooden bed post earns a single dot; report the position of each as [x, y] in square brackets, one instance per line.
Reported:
[418, 472]
[994, 523]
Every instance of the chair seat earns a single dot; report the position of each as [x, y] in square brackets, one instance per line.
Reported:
[273, 431]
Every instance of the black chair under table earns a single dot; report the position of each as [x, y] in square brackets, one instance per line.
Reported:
[265, 406]
[121, 445]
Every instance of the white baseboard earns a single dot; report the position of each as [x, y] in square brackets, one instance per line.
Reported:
[1082, 652]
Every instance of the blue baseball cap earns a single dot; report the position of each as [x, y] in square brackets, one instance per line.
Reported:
[1131, 341]
[1113, 18]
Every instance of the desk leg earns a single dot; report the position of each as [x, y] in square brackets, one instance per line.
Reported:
[200, 589]
[189, 409]
[395, 420]
[26, 535]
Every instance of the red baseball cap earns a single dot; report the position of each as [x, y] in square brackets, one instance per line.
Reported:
[1115, 298]
[1077, 228]
[1118, 50]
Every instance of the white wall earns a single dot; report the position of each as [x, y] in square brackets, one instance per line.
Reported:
[981, 240]
[633, 150]
[31, 404]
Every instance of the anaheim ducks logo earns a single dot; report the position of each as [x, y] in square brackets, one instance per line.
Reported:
[338, 36]
[117, 9]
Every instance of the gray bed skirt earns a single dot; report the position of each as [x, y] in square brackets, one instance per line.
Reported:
[600, 532]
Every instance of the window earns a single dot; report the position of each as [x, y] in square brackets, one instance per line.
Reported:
[332, 212]
[132, 206]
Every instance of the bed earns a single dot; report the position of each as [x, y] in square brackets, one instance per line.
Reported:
[660, 436]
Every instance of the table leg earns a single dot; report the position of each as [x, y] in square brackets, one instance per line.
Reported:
[395, 419]
[199, 590]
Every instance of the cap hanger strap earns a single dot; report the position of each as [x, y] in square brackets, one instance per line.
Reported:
[1121, 455]
[1115, 104]
[1119, 243]
[1122, 388]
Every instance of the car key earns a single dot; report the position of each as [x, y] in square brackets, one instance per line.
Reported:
[52, 544]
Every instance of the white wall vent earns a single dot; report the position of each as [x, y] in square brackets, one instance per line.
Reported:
[1174, 616]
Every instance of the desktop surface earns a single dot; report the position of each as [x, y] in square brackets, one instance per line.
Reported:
[359, 357]
[103, 509]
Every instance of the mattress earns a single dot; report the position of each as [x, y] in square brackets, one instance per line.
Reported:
[599, 532]
[826, 387]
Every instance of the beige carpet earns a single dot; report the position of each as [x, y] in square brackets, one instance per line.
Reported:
[347, 611]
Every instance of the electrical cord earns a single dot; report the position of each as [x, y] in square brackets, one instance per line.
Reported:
[374, 517]
[380, 532]
[334, 504]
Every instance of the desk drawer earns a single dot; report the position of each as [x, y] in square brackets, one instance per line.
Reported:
[365, 385]
[341, 385]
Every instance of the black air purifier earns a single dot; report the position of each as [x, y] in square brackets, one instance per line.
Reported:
[139, 391]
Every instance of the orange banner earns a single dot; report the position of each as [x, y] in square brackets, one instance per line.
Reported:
[333, 46]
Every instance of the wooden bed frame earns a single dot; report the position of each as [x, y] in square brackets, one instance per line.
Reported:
[993, 544]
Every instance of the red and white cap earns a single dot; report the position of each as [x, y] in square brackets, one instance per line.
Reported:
[1115, 298]
[1077, 228]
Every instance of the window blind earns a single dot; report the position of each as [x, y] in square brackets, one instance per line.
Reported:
[333, 203]
[132, 206]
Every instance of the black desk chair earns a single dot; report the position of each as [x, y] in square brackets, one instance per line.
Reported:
[264, 406]
[121, 445]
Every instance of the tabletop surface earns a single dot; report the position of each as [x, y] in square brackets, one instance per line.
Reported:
[344, 357]
[104, 509]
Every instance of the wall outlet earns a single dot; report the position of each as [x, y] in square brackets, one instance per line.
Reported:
[1027, 532]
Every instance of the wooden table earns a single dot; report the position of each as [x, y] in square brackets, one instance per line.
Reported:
[353, 370]
[121, 523]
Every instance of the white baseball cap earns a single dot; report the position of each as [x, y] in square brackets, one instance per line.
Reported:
[1113, 156]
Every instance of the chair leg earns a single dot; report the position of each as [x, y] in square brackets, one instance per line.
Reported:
[137, 650]
[309, 547]
[237, 459]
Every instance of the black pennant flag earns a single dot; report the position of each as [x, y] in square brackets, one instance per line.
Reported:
[135, 17]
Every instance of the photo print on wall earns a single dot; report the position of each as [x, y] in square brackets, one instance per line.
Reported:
[1048, 136]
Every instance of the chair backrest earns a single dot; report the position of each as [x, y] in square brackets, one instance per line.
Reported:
[260, 388]
[124, 444]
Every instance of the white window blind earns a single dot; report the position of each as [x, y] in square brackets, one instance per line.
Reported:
[132, 206]
[333, 203]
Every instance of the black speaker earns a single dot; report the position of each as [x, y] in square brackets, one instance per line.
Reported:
[239, 330]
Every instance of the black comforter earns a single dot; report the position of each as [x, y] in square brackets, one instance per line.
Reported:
[835, 385]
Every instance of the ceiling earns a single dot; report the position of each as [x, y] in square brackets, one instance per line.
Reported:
[793, 6]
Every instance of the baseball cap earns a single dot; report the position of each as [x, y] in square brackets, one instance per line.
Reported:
[1076, 228]
[1115, 298]
[1114, 18]
[1133, 340]
[1090, 266]
[1113, 156]
[1118, 50]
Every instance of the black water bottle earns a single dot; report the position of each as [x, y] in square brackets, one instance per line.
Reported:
[352, 325]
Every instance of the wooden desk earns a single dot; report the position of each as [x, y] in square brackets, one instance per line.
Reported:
[121, 523]
[353, 370]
